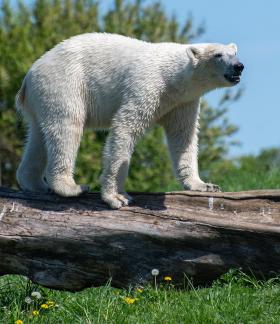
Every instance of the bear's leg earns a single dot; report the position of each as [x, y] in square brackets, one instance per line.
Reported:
[62, 141]
[122, 175]
[30, 173]
[117, 153]
[181, 126]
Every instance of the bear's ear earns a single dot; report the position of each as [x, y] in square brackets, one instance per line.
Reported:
[233, 46]
[194, 52]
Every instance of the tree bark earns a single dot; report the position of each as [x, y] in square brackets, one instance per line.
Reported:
[73, 243]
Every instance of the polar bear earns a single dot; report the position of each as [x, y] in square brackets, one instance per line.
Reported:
[109, 81]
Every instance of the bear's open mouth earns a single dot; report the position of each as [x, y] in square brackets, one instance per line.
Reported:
[232, 78]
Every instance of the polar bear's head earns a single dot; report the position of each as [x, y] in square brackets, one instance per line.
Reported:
[216, 64]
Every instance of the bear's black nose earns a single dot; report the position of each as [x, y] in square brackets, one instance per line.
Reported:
[238, 67]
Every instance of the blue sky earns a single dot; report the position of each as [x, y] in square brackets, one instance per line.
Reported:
[255, 27]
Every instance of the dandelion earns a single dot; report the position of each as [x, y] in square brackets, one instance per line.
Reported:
[35, 313]
[36, 294]
[167, 278]
[129, 300]
[139, 290]
[28, 300]
[44, 306]
[18, 321]
[155, 272]
[50, 303]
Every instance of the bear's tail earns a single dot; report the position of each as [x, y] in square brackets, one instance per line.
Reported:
[20, 96]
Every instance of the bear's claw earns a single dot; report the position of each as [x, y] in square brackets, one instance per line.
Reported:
[204, 187]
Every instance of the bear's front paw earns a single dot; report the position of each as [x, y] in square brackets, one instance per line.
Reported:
[116, 200]
[213, 187]
[202, 186]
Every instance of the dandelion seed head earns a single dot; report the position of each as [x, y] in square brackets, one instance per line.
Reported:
[36, 294]
[28, 300]
[155, 272]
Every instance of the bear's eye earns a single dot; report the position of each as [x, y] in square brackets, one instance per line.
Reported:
[218, 55]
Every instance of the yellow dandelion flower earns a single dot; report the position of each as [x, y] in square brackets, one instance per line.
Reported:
[167, 278]
[50, 303]
[45, 306]
[129, 300]
[18, 321]
[35, 313]
[139, 290]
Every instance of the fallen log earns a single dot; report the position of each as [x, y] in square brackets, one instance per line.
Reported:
[73, 243]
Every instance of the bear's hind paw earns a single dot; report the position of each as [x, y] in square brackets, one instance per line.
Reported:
[116, 201]
[70, 190]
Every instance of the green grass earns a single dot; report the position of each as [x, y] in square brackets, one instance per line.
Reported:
[240, 179]
[234, 299]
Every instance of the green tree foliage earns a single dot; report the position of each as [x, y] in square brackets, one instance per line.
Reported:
[28, 30]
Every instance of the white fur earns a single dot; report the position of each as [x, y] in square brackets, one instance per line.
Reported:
[108, 81]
